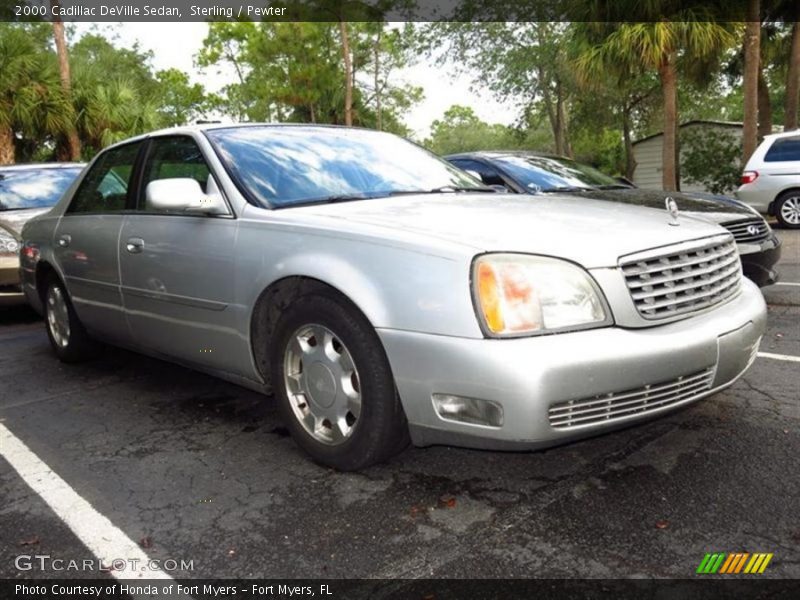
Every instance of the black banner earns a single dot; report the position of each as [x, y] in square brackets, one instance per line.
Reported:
[380, 10]
[700, 588]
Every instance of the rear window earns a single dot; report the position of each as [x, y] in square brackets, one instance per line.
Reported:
[34, 188]
[784, 149]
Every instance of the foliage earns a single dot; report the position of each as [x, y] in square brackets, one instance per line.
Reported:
[295, 71]
[712, 158]
[460, 130]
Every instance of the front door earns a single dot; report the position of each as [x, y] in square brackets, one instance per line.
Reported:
[178, 269]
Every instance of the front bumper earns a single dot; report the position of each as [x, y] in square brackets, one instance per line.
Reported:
[759, 260]
[10, 290]
[529, 376]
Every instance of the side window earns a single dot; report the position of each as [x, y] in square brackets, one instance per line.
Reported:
[178, 156]
[105, 187]
[489, 175]
[784, 150]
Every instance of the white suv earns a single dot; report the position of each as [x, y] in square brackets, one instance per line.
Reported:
[771, 179]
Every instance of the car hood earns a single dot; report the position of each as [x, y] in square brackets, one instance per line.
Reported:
[592, 233]
[716, 210]
[14, 220]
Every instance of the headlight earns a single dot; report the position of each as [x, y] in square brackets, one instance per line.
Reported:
[8, 245]
[518, 294]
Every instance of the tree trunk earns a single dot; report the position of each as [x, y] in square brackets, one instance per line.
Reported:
[7, 149]
[562, 121]
[630, 161]
[348, 75]
[377, 49]
[764, 106]
[752, 52]
[73, 142]
[793, 77]
[669, 87]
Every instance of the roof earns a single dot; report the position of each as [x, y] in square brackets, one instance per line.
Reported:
[498, 154]
[198, 127]
[784, 134]
[731, 124]
[27, 166]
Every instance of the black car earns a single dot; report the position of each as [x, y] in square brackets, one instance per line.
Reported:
[532, 173]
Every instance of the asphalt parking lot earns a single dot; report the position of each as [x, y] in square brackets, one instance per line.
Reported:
[202, 472]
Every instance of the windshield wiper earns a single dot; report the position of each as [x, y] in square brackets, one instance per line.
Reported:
[568, 188]
[443, 189]
[614, 186]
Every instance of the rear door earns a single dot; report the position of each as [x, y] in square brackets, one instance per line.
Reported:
[782, 162]
[178, 269]
[86, 241]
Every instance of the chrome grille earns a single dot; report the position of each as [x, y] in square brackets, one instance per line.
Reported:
[604, 408]
[683, 278]
[749, 230]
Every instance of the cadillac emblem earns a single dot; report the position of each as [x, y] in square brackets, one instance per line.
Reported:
[672, 209]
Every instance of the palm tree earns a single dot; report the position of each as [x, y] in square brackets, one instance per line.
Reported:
[73, 142]
[752, 58]
[31, 100]
[657, 46]
[793, 72]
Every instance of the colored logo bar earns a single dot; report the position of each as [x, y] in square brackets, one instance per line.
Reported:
[734, 563]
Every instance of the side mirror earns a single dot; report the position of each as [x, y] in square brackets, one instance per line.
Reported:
[182, 194]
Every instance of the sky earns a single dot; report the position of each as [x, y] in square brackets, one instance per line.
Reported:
[175, 44]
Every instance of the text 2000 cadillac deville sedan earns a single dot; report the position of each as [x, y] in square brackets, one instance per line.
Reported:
[380, 292]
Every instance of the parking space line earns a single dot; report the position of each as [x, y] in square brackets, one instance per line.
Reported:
[787, 357]
[104, 539]
[787, 283]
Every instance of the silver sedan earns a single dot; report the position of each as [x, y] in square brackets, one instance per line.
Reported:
[382, 295]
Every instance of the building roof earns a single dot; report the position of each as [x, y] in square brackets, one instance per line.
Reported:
[731, 124]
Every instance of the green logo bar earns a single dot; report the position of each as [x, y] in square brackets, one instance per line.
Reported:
[711, 563]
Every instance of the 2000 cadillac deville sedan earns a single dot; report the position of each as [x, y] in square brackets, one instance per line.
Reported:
[380, 292]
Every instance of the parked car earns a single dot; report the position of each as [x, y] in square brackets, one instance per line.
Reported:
[25, 191]
[378, 291]
[533, 173]
[771, 178]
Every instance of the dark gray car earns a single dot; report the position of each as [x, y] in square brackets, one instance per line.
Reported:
[534, 173]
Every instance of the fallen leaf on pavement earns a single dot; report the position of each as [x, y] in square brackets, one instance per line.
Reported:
[662, 524]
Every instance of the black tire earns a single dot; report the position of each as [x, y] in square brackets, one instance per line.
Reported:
[786, 209]
[380, 430]
[73, 344]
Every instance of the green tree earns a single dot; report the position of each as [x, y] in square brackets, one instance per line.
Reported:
[33, 108]
[711, 157]
[179, 101]
[525, 62]
[657, 46]
[296, 71]
[461, 130]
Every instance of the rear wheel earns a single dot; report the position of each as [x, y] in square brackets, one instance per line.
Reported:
[334, 385]
[787, 209]
[69, 339]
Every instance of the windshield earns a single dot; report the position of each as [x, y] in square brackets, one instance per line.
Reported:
[290, 166]
[34, 188]
[552, 173]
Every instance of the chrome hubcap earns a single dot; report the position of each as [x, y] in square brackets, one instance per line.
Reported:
[58, 316]
[322, 384]
[790, 210]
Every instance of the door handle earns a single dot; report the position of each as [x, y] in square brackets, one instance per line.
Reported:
[134, 245]
[64, 240]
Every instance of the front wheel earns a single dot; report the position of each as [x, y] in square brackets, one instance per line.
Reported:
[67, 336]
[334, 385]
[787, 209]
